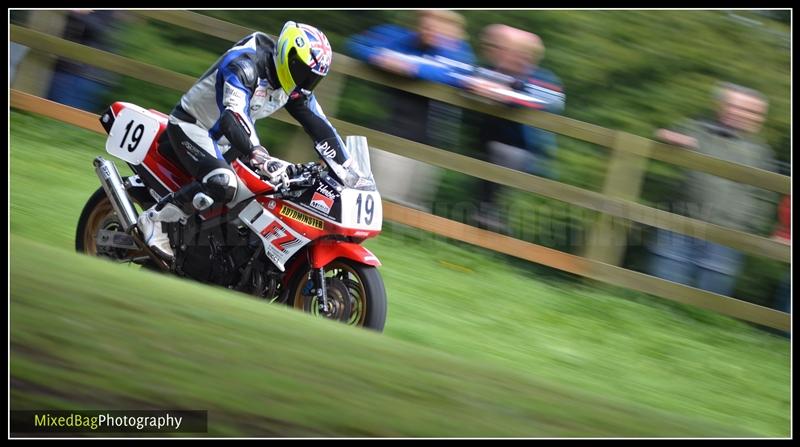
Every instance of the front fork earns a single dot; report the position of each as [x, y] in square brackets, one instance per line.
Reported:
[318, 278]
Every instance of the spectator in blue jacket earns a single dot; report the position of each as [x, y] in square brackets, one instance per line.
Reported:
[513, 77]
[436, 51]
[82, 85]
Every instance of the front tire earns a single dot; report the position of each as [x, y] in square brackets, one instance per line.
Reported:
[355, 291]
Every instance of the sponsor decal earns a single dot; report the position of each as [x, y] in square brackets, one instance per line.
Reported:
[271, 205]
[259, 97]
[281, 239]
[193, 151]
[302, 218]
[234, 97]
[321, 202]
[300, 42]
[325, 191]
[326, 149]
[273, 258]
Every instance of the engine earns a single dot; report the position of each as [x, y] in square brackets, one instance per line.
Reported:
[214, 253]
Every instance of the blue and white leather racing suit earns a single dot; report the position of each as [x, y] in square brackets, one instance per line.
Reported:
[214, 122]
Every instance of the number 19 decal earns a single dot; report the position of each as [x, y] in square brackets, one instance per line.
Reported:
[132, 134]
[362, 209]
[369, 208]
[136, 137]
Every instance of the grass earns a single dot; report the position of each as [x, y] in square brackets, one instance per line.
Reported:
[147, 340]
[447, 303]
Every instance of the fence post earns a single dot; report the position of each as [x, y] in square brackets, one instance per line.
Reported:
[35, 71]
[607, 239]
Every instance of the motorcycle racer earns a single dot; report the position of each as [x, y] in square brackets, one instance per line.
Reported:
[213, 123]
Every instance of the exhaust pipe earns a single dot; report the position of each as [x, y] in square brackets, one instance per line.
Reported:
[115, 190]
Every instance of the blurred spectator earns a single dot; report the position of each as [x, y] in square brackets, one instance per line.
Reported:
[82, 85]
[17, 52]
[732, 136]
[783, 234]
[513, 77]
[430, 53]
[31, 70]
[434, 52]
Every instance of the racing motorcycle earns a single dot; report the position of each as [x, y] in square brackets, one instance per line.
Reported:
[297, 244]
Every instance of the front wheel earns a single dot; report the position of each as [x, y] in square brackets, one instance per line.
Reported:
[356, 294]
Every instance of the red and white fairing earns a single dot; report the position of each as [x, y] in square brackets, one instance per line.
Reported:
[319, 219]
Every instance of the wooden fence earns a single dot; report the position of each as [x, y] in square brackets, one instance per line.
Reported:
[618, 199]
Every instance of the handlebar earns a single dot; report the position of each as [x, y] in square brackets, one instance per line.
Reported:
[308, 173]
[303, 178]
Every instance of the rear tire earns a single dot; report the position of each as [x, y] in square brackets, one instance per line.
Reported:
[97, 214]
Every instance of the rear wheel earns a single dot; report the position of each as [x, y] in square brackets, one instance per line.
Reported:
[356, 294]
[98, 214]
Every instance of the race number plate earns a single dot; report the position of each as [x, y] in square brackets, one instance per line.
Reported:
[280, 242]
[362, 210]
[132, 134]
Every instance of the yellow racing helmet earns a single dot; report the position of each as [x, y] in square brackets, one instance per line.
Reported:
[302, 57]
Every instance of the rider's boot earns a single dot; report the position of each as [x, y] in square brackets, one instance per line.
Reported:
[173, 207]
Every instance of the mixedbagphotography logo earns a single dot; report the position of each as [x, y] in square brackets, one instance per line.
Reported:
[109, 421]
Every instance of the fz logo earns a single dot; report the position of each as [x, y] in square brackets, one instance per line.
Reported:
[279, 237]
[326, 150]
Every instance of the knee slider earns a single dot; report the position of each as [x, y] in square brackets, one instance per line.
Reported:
[220, 184]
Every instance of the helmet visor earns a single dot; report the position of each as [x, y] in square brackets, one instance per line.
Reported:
[302, 75]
